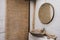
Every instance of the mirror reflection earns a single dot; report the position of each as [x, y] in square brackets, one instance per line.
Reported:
[46, 13]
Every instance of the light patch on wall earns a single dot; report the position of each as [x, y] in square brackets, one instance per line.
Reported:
[2, 19]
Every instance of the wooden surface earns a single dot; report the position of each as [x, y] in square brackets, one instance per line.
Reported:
[17, 20]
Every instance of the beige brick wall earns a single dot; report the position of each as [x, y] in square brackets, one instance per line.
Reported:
[17, 20]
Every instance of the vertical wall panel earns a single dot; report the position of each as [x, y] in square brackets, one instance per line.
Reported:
[17, 20]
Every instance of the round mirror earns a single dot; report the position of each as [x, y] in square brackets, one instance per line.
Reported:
[46, 13]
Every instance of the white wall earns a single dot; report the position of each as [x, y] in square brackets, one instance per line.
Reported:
[54, 26]
[2, 19]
